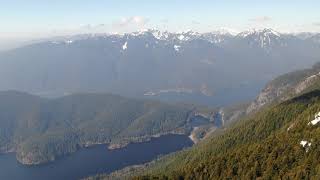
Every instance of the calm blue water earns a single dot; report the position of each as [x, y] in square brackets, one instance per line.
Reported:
[90, 161]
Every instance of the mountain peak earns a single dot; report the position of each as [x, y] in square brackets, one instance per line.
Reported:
[264, 38]
[270, 31]
[260, 32]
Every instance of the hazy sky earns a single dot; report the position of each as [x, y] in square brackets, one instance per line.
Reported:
[39, 18]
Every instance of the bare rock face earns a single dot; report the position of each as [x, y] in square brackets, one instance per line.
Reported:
[306, 83]
[267, 95]
[277, 93]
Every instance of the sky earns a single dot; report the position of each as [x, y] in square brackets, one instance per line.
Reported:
[43, 18]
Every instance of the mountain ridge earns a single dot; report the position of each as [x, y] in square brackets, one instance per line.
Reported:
[212, 69]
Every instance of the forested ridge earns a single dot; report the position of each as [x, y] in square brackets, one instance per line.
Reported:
[41, 130]
[267, 145]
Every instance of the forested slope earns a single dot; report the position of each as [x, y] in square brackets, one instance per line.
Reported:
[280, 142]
[40, 130]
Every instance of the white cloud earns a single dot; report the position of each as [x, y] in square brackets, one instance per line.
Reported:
[129, 24]
[132, 21]
[261, 19]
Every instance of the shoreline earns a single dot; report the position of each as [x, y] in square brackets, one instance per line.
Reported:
[113, 146]
[109, 146]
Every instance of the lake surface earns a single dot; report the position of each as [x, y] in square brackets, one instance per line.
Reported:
[93, 160]
[220, 98]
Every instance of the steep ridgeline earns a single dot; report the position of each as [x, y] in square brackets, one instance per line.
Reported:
[279, 142]
[287, 86]
[40, 130]
[213, 68]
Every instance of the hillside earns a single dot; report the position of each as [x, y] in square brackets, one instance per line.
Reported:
[286, 86]
[279, 139]
[41, 130]
[279, 142]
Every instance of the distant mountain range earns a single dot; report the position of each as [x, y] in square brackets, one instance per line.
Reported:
[211, 68]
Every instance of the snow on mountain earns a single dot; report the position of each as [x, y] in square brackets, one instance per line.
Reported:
[177, 48]
[125, 46]
[69, 41]
[264, 38]
[216, 37]
[316, 119]
[200, 57]
[181, 37]
[160, 35]
[262, 32]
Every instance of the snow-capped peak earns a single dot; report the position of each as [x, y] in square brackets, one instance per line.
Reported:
[181, 37]
[186, 35]
[262, 32]
[271, 31]
[160, 35]
[218, 36]
[265, 38]
[190, 33]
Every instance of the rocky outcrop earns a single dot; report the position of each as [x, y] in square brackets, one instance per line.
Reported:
[267, 95]
[306, 83]
[275, 92]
